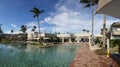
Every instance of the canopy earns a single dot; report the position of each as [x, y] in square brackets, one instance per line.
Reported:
[109, 7]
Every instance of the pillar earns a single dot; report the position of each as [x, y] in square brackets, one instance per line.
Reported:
[89, 40]
[62, 39]
[70, 40]
[78, 39]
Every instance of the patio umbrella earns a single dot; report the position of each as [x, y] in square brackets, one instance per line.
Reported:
[109, 7]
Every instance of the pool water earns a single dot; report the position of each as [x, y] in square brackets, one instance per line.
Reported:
[18, 55]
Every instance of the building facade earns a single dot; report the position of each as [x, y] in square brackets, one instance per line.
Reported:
[114, 31]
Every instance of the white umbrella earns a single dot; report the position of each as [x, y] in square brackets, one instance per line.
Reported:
[109, 7]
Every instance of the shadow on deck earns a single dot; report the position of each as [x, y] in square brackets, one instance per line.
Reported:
[116, 57]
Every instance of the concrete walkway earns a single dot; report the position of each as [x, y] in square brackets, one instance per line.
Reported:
[87, 58]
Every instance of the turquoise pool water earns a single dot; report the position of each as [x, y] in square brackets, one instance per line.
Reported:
[33, 56]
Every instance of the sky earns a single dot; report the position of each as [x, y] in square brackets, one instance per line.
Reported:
[59, 16]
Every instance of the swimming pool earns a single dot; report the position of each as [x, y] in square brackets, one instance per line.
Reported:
[17, 55]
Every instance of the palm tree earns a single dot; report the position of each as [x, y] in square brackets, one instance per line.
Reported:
[36, 12]
[12, 34]
[1, 29]
[12, 31]
[87, 31]
[90, 3]
[23, 28]
[84, 30]
[34, 28]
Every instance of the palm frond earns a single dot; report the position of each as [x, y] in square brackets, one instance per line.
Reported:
[36, 12]
[96, 1]
[87, 5]
[85, 1]
[42, 11]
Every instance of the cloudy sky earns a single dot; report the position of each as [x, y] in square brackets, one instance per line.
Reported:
[59, 16]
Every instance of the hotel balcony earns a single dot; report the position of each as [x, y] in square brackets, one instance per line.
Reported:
[116, 33]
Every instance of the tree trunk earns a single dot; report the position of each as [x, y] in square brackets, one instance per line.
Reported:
[39, 31]
[92, 25]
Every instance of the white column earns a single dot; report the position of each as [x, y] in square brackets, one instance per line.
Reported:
[89, 40]
[78, 39]
[70, 40]
[62, 39]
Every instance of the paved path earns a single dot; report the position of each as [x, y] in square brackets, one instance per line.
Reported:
[87, 58]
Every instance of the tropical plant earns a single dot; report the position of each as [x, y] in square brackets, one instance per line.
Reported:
[100, 52]
[114, 43]
[23, 28]
[34, 28]
[90, 3]
[87, 31]
[36, 12]
[84, 30]
[1, 29]
[58, 33]
[98, 42]
[12, 31]
[6, 40]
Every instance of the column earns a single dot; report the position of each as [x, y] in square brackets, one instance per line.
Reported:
[62, 39]
[89, 41]
[78, 39]
[70, 40]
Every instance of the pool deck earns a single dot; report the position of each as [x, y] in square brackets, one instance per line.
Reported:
[87, 58]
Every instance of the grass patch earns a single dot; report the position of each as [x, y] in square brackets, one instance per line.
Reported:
[114, 49]
[5, 41]
[100, 52]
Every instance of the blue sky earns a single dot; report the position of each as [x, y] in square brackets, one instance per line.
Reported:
[59, 16]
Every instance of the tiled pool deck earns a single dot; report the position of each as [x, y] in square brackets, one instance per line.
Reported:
[87, 58]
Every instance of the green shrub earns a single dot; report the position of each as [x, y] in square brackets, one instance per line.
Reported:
[98, 42]
[100, 52]
[114, 42]
[6, 40]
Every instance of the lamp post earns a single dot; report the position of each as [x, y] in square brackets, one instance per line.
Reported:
[104, 32]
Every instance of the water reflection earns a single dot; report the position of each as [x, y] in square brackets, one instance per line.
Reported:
[17, 55]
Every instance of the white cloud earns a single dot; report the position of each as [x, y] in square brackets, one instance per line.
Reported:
[13, 25]
[31, 24]
[15, 32]
[66, 19]
[70, 16]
